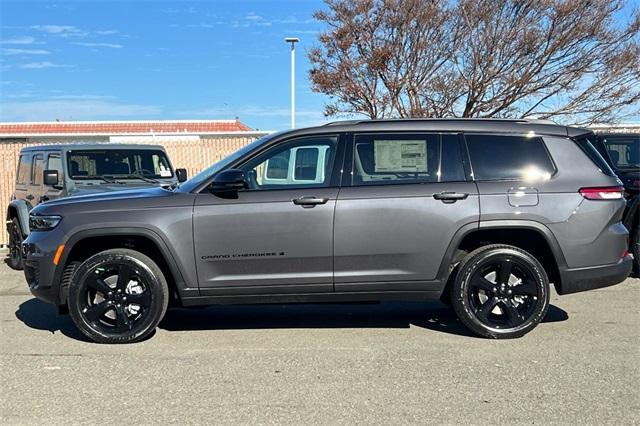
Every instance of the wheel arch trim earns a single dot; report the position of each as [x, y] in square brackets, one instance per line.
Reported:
[22, 213]
[468, 229]
[180, 283]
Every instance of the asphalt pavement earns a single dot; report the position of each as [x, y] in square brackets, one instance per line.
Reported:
[388, 363]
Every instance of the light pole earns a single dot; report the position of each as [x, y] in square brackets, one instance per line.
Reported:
[293, 41]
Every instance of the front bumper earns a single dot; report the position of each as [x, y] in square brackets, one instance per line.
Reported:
[583, 279]
[38, 252]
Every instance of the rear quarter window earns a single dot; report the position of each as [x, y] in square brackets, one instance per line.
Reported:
[507, 157]
[586, 144]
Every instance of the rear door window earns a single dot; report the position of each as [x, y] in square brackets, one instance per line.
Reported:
[388, 159]
[507, 157]
[24, 169]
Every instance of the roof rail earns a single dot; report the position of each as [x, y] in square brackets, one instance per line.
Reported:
[388, 120]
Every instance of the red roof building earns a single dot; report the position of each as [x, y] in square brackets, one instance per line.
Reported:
[124, 128]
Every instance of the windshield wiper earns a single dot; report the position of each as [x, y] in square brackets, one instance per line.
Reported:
[144, 178]
[101, 178]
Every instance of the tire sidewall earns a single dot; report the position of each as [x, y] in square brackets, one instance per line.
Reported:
[15, 263]
[154, 279]
[462, 283]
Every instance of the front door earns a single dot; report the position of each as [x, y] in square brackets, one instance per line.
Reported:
[277, 236]
[397, 213]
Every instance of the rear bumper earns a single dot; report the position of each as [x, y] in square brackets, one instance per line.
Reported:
[583, 279]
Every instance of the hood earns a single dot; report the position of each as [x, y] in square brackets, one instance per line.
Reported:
[110, 195]
[93, 188]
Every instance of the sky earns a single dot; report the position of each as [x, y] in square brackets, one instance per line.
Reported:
[136, 60]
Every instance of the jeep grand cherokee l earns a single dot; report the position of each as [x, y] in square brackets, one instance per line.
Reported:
[483, 214]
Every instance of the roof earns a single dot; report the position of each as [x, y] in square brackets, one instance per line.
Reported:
[521, 126]
[111, 128]
[90, 146]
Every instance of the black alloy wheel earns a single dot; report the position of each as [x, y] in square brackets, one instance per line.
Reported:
[115, 298]
[501, 291]
[15, 245]
[118, 296]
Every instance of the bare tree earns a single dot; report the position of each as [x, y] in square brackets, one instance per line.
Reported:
[575, 60]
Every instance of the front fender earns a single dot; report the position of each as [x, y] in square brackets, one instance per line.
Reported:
[20, 208]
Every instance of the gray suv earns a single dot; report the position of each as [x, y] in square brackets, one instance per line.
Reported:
[48, 172]
[483, 214]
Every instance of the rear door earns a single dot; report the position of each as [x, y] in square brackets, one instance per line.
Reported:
[399, 209]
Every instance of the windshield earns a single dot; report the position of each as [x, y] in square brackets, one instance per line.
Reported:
[624, 150]
[120, 163]
[198, 179]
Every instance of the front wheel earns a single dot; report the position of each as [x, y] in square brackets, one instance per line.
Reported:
[500, 292]
[15, 245]
[118, 296]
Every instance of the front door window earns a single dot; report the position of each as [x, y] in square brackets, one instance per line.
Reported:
[303, 163]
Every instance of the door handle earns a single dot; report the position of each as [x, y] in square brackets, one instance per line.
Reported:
[307, 202]
[450, 197]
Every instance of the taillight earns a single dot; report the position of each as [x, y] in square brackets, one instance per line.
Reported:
[603, 193]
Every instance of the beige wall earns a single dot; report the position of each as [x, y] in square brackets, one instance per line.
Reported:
[190, 153]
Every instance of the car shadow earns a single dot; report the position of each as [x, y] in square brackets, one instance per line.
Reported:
[43, 316]
[431, 315]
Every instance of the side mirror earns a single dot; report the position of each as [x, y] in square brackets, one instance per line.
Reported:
[50, 177]
[230, 180]
[181, 174]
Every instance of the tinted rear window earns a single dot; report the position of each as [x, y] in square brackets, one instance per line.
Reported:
[585, 143]
[497, 157]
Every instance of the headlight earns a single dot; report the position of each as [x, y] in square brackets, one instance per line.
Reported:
[43, 223]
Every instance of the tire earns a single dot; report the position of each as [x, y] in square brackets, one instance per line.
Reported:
[118, 296]
[15, 245]
[500, 292]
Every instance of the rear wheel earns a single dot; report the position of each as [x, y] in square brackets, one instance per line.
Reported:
[118, 296]
[15, 245]
[500, 292]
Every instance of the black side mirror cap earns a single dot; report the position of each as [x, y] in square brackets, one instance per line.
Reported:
[50, 177]
[181, 174]
[230, 180]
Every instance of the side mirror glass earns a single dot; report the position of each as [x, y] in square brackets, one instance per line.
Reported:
[181, 174]
[50, 177]
[230, 180]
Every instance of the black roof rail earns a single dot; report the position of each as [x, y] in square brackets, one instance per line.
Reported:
[390, 120]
